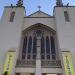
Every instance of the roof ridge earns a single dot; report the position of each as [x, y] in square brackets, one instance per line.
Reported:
[37, 12]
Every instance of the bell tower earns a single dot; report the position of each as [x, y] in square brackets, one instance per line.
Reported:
[10, 30]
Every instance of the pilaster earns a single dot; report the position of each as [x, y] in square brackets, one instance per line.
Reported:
[38, 58]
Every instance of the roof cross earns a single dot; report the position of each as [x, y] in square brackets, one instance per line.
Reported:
[39, 7]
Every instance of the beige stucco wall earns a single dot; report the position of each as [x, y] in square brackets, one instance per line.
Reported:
[46, 21]
[25, 70]
[43, 70]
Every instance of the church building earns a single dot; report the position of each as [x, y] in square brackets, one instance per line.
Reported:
[38, 44]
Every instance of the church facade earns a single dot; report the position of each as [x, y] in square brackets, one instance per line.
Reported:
[38, 44]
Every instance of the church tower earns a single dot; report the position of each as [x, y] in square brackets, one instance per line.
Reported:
[38, 44]
[11, 27]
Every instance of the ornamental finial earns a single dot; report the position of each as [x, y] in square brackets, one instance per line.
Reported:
[20, 3]
[59, 3]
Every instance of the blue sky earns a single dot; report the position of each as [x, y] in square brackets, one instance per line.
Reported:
[32, 5]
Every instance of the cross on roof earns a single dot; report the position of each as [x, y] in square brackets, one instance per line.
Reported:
[39, 7]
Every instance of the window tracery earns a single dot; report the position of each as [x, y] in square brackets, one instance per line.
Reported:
[47, 47]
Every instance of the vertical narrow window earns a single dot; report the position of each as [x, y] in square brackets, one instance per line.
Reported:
[34, 47]
[42, 45]
[42, 48]
[47, 45]
[24, 44]
[29, 47]
[53, 48]
[66, 15]
[52, 45]
[47, 48]
[12, 16]
[24, 47]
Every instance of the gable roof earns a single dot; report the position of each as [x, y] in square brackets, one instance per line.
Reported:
[39, 14]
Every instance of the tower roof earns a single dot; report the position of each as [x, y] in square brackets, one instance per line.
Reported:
[39, 13]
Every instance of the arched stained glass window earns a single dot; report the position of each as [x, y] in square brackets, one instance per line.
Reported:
[24, 44]
[47, 45]
[29, 45]
[53, 48]
[24, 47]
[29, 48]
[52, 45]
[42, 48]
[34, 47]
[42, 45]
